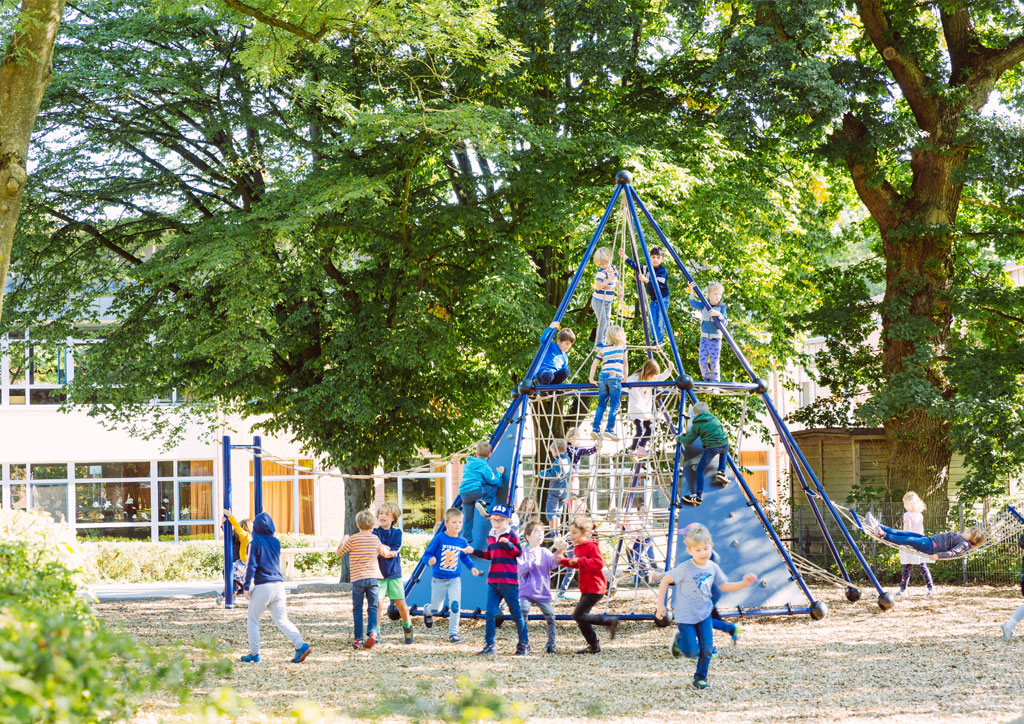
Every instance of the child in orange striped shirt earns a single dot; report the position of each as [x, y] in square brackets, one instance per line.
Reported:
[363, 549]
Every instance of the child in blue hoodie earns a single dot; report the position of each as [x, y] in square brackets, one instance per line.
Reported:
[479, 486]
[263, 575]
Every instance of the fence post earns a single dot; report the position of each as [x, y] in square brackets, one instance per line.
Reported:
[960, 527]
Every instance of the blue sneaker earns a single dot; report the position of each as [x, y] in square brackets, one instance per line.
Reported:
[676, 651]
[251, 658]
[454, 638]
[301, 653]
[522, 650]
[486, 651]
[737, 630]
[700, 684]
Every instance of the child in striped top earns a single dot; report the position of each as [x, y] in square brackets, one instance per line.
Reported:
[614, 368]
[363, 549]
[503, 550]
[605, 284]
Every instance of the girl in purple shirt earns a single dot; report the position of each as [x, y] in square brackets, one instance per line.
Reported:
[535, 566]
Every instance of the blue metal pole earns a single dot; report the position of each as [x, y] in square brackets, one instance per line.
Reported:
[229, 586]
[257, 475]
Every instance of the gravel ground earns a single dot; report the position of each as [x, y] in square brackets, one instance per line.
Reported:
[931, 661]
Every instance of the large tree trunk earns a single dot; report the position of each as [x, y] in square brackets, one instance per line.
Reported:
[358, 496]
[24, 74]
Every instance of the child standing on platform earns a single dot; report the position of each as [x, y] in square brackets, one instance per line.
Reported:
[614, 369]
[444, 553]
[263, 574]
[713, 439]
[558, 488]
[588, 561]
[913, 520]
[641, 406]
[691, 600]
[363, 549]
[390, 534]
[606, 282]
[535, 566]
[710, 352]
[503, 549]
[659, 312]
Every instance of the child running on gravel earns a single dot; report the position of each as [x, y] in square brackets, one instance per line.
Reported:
[363, 548]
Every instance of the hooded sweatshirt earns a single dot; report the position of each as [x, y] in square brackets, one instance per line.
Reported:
[476, 474]
[264, 564]
[709, 429]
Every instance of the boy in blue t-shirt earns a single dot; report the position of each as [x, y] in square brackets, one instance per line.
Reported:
[445, 552]
[554, 366]
[390, 584]
[692, 600]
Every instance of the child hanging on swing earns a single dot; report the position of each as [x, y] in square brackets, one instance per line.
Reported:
[941, 545]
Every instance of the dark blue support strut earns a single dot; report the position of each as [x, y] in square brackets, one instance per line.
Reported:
[229, 584]
[257, 475]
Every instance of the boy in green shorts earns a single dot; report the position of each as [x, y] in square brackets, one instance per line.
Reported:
[391, 568]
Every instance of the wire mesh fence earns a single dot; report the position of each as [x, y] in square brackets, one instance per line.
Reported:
[997, 565]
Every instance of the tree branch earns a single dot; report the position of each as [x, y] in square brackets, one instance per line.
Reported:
[1006, 58]
[273, 22]
[961, 38]
[882, 200]
[103, 238]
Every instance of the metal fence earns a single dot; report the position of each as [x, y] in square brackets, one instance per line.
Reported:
[998, 565]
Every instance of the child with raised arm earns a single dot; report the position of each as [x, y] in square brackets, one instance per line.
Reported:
[390, 534]
[710, 351]
[479, 485]
[940, 545]
[614, 369]
[659, 312]
[691, 600]
[363, 549]
[535, 566]
[641, 406]
[587, 559]
[913, 520]
[558, 486]
[243, 532]
[444, 553]
[503, 549]
[554, 365]
[713, 439]
[264, 587]
[606, 283]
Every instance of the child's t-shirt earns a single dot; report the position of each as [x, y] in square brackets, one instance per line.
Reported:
[448, 552]
[613, 360]
[363, 549]
[535, 566]
[641, 399]
[691, 601]
[392, 538]
[608, 293]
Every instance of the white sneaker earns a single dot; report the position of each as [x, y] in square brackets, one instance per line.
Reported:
[1007, 631]
[611, 436]
[929, 592]
[900, 594]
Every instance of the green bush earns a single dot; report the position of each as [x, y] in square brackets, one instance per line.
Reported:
[58, 662]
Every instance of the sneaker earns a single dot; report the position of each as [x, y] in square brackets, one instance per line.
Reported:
[714, 652]
[596, 434]
[612, 627]
[633, 456]
[737, 630]
[407, 633]
[929, 592]
[873, 525]
[899, 595]
[251, 658]
[589, 650]
[1006, 629]
[721, 480]
[522, 650]
[564, 596]
[486, 651]
[301, 653]
[428, 620]
[550, 649]
[609, 435]
[454, 638]
[357, 644]
[700, 684]
[481, 508]
[371, 641]
[693, 500]
[674, 648]
[220, 598]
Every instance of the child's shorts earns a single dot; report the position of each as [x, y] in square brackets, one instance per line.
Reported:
[391, 588]
[556, 499]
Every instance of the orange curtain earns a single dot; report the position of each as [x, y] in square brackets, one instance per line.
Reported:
[201, 500]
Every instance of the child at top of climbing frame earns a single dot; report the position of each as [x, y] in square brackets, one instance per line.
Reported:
[606, 284]
[641, 406]
[659, 313]
[558, 487]
[691, 600]
[554, 365]
[713, 439]
[710, 352]
[913, 520]
[614, 368]
[940, 545]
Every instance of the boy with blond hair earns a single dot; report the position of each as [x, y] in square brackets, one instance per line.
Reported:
[606, 282]
[391, 587]
[363, 548]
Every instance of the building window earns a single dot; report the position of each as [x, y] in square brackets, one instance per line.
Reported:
[40, 487]
[287, 495]
[36, 373]
[185, 491]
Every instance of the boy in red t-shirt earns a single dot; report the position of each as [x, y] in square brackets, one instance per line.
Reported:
[588, 561]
